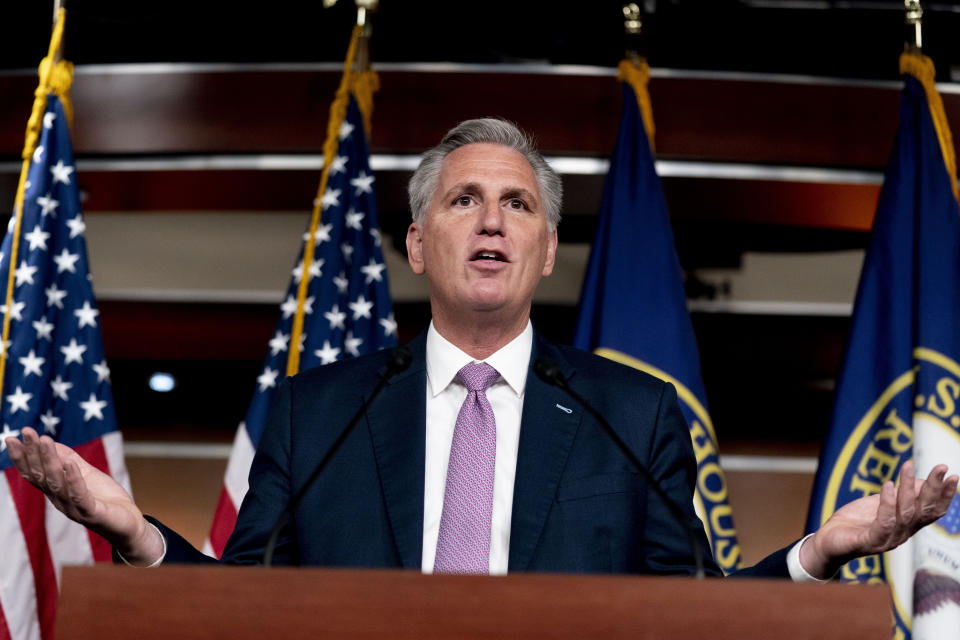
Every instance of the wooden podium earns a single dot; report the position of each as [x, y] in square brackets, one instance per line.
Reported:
[239, 602]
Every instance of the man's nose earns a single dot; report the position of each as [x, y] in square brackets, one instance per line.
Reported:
[491, 219]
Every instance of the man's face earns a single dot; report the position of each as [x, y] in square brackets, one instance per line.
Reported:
[483, 243]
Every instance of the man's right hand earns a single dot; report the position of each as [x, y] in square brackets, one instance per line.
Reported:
[86, 495]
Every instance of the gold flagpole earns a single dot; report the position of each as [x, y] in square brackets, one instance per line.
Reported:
[55, 77]
[362, 82]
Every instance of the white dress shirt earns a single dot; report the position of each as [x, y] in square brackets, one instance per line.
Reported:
[445, 395]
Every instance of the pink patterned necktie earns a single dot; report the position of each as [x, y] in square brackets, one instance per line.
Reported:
[463, 545]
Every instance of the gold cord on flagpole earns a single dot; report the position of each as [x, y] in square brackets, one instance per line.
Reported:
[634, 70]
[913, 62]
[362, 85]
[56, 76]
[636, 73]
[921, 67]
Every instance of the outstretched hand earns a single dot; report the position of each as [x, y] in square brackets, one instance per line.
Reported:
[880, 522]
[85, 494]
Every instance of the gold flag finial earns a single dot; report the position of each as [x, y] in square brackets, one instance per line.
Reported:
[913, 18]
[631, 18]
[363, 7]
[633, 29]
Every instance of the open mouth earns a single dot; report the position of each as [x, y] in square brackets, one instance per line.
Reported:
[488, 256]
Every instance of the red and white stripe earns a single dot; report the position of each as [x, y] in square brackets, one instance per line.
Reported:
[234, 489]
[36, 541]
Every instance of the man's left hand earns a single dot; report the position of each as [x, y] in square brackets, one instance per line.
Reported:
[878, 523]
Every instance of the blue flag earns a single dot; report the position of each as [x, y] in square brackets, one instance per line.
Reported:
[633, 309]
[347, 311]
[897, 395]
[56, 380]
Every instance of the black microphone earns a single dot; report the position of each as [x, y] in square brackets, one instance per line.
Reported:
[399, 361]
[550, 373]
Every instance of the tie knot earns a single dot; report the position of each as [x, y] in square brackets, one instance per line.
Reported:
[477, 376]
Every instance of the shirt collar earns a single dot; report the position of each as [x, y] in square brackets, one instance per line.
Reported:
[444, 360]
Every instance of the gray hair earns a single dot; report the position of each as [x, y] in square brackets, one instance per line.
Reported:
[424, 181]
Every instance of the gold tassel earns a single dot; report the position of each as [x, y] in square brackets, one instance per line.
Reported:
[921, 67]
[636, 73]
[55, 77]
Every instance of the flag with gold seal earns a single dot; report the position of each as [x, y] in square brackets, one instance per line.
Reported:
[633, 307]
[898, 395]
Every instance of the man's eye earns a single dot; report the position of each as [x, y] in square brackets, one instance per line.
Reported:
[516, 203]
[463, 201]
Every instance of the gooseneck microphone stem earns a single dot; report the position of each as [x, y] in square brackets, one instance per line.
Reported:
[551, 374]
[400, 360]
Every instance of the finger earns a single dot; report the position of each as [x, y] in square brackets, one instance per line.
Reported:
[935, 495]
[932, 488]
[886, 520]
[906, 496]
[15, 451]
[950, 488]
[52, 467]
[937, 474]
[908, 472]
[947, 491]
[18, 456]
[30, 431]
[31, 448]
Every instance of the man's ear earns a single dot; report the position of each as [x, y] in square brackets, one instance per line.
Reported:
[415, 248]
[551, 254]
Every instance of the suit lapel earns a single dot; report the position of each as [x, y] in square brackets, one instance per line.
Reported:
[546, 434]
[397, 422]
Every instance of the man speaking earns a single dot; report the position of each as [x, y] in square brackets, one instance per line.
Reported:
[467, 461]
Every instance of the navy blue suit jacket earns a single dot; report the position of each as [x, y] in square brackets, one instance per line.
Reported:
[578, 504]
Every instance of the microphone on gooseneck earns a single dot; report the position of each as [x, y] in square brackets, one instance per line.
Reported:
[550, 373]
[399, 361]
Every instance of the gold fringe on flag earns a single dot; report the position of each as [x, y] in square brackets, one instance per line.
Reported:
[362, 85]
[921, 67]
[636, 73]
[56, 77]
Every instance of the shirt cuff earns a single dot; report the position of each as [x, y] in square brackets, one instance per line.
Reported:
[797, 572]
[155, 563]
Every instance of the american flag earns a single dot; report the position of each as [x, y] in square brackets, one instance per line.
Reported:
[347, 311]
[56, 380]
